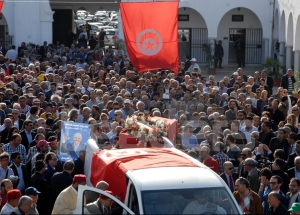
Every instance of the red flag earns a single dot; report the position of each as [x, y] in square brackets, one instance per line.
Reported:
[1, 6]
[151, 34]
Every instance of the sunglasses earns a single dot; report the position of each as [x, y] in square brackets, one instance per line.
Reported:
[231, 168]
[243, 155]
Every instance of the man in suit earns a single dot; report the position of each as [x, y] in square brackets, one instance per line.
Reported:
[295, 171]
[253, 174]
[27, 134]
[51, 162]
[265, 189]
[187, 62]
[101, 206]
[229, 176]
[293, 196]
[19, 170]
[292, 156]
[44, 49]
[268, 81]
[41, 185]
[21, 49]
[61, 180]
[75, 147]
[50, 92]
[288, 79]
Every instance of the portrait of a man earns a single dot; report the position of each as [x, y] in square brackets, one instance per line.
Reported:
[75, 146]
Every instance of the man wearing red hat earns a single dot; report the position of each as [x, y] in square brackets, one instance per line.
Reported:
[13, 197]
[101, 206]
[66, 202]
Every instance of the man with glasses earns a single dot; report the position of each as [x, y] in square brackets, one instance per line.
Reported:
[51, 162]
[229, 176]
[19, 170]
[275, 184]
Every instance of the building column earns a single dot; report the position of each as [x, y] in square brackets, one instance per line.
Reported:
[288, 57]
[282, 53]
[296, 60]
[212, 46]
[266, 50]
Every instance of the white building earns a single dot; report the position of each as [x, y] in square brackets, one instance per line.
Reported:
[260, 22]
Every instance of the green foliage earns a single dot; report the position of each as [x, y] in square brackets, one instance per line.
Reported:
[210, 58]
[273, 67]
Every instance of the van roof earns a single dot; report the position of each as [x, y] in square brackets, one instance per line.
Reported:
[113, 165]
[174, 178]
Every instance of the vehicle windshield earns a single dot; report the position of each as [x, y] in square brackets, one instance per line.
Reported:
[214, 200]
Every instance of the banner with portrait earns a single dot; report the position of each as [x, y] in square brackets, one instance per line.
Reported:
[73, 140]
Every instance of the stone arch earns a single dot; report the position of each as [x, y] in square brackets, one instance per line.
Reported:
[297, 34]
[290, 31]
[282, 28]
[196, 20]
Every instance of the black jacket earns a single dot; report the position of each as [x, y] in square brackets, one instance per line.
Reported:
[41, 185]
[280, 210]
[285, 82]
[267, 139]
[291, 160]
[285, 179]
[79, 167]
[234, 177]
[24, 171]
[25, 140]
[59, 182]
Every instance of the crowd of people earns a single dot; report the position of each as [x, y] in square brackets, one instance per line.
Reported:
[237, 126]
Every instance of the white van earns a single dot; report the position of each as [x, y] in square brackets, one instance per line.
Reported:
[155, 181]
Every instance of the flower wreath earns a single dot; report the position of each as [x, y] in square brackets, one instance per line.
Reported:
[146, 129]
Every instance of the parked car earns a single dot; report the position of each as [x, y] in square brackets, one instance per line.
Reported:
[95, 30]
[111, 35]
[114, 24]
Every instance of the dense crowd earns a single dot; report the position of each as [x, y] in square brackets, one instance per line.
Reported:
[237, 126]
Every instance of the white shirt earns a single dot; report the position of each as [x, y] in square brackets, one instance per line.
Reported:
[248, 133]
[12, 54]
[7, 209]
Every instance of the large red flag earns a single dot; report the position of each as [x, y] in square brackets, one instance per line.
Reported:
[151, 34]
[1, 6]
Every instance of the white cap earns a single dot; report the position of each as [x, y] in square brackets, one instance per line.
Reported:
[193, 60]
[216, 88]
[235, 73]
[126, 101]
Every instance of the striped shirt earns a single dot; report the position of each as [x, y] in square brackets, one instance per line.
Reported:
[221, 158]
[290, 87]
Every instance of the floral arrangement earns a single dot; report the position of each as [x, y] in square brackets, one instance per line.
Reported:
[146, 128]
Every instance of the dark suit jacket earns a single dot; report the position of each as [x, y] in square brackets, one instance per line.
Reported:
[24, 171]
[59, 182]
[270, 84]
[284, 81]
[25, 140]
[20, 121]
[260, 106]
[268, 138]
[43, 51]
[48, 95]
[47, 175]
[291, 172]
[253, 179]
[41, 185]
[289, 195]
[3, 50]
[75, 154]
[234, 177]
[291, 160]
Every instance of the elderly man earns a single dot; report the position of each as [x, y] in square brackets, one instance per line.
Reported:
[229, 176]
[208, 160]
[253, 174]
[75, 147]
[24, 206]
[101, 206]
[193, 66]
[276, 207]
[66, 201]
[33, 193]
[247, 199]
[13, 197]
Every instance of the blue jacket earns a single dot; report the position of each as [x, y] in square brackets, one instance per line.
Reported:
[47, 175]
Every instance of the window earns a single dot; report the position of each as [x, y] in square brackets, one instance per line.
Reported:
[237, 18]
[183, 201]
[133, 202]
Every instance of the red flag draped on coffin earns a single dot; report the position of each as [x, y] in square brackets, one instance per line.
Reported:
[151, 34]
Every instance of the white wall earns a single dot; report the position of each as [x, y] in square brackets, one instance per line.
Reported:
[195, 21]
[250, 21]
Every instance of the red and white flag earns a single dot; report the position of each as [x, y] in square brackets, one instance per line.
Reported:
[151, 34]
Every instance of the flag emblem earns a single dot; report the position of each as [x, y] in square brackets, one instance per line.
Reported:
[149, 42]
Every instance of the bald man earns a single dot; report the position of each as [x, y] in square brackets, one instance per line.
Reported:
[92, 196]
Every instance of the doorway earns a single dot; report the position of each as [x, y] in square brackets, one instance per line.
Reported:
[184, 43]
[234, 34]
